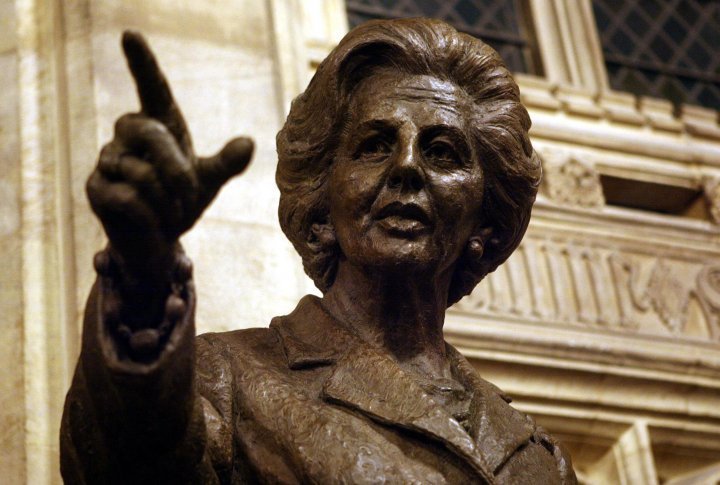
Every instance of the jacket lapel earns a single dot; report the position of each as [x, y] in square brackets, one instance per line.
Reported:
[497, 428]
[372, 383]
[365, 379]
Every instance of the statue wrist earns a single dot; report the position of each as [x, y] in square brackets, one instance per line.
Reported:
[140, 314]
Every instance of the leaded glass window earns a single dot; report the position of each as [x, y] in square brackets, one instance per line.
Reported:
[504, 24]
[662, 48]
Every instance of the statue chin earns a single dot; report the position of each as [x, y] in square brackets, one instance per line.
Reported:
[395, 255]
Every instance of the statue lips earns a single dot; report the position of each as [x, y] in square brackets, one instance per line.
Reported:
[403, 219]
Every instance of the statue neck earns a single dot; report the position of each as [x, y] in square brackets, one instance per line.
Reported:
[402, 313]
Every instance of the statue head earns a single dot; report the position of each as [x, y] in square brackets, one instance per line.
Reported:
[497, 128]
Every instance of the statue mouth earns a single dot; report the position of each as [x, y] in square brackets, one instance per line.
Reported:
[403, 218]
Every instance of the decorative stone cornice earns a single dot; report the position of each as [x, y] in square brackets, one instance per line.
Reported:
[620, 107]
[643, 126]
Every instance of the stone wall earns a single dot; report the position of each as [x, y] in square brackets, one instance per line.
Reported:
[12, 402]
[64, 83]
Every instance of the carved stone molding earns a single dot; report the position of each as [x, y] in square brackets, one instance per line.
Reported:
[568, 181]
[600, 286]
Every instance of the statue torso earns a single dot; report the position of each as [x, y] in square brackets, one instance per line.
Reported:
[307, 401]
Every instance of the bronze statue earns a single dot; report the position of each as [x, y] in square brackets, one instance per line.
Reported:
[406, 175]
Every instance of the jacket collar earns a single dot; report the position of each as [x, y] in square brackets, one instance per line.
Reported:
[366, 379]
[310, 336]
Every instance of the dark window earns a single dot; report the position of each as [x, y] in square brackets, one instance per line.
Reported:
[504, 24]
[663, 48]
[654, 197]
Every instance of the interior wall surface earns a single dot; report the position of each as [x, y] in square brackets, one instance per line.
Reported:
[64, 82]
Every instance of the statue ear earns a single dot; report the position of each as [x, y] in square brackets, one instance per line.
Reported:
[322, 236]
[484, 232]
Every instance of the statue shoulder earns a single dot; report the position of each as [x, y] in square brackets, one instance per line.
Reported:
[226, 360]
[249, 343]
[535, 452]
[512, 444]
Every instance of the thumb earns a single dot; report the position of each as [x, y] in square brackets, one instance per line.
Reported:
[232, 160]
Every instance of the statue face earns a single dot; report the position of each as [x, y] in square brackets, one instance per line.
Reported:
[406, 187]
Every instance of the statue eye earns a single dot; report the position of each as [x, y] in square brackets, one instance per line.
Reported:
[443, 152]
[374, 147]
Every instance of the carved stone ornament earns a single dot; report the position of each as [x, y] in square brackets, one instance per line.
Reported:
[669, 297]
[597, 284]
[382, 171]
[568, 181]
[711, 188]
[708, 290]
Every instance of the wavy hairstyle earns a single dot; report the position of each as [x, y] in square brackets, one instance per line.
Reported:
[499, 127]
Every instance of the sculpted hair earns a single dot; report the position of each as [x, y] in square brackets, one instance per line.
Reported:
[498, 123]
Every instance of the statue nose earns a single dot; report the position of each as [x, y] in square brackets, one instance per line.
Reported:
[406, 173]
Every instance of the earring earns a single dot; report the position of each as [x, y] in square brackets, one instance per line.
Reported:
[475, 247]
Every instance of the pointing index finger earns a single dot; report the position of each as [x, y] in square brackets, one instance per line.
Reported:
[156, 99]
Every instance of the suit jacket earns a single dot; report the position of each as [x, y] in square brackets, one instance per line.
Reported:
[304, 401]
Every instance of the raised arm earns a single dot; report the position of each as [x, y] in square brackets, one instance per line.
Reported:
[149, 187]
[133, 414]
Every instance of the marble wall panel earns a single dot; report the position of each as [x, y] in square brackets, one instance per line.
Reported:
[12, 402]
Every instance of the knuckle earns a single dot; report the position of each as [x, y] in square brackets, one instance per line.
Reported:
[137, 170]
[136, 129]
[144, 172]
[111, 199]
[93, 188]
[124, 122]
[100, 201]
[122, 195]
[155, 131]
[111, 150]
[107, 150]
[92, 181]
[107, 169]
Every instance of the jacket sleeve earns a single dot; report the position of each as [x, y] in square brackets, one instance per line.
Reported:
[129, 420]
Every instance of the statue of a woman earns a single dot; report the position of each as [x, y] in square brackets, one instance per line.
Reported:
[406, 175]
